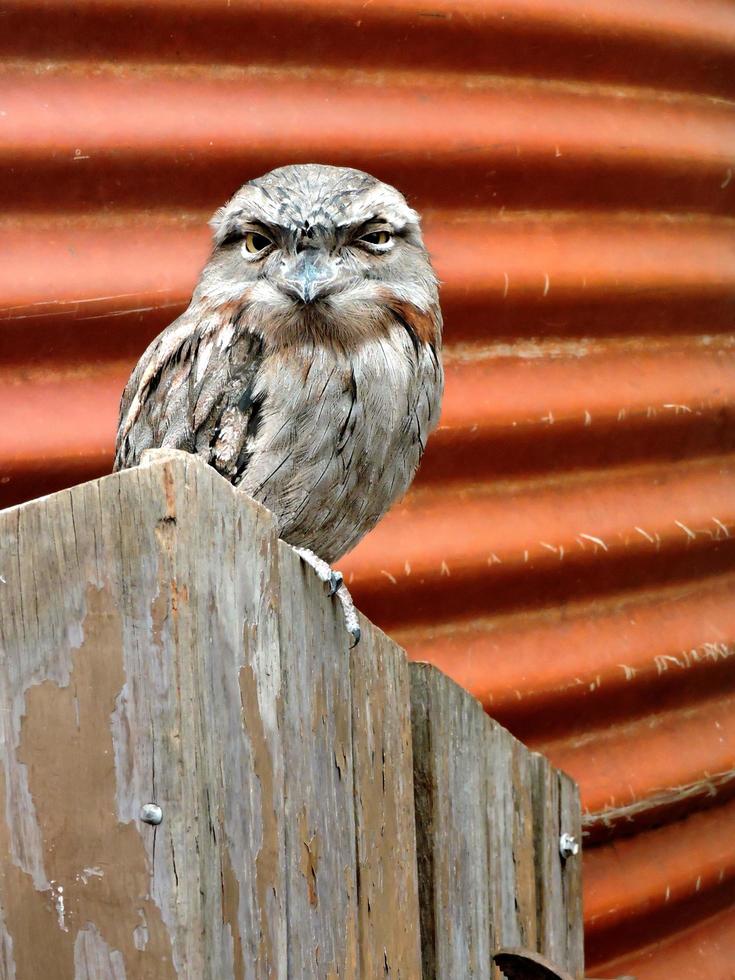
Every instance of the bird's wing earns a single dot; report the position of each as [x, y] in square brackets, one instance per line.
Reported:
[195, 388]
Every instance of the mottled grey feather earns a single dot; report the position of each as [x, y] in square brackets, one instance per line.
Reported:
[307, 372]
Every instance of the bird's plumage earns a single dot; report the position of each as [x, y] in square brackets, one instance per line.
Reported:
[308, 372]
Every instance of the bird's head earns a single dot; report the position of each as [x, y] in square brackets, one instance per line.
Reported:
[319, 250]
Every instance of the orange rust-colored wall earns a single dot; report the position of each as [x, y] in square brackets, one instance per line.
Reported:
[568, 552]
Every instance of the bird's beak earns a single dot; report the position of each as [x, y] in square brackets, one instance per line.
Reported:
[310, 277]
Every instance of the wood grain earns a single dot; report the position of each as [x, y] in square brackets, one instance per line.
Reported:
[327, 813]
[551, 912]
[132, 615]
[320, 816]
[570, 822]
[384, 809]
[487, 827]
[159, 644]
[451, 827]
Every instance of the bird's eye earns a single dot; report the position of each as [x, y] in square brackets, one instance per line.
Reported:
[376, 237]
[255, 242]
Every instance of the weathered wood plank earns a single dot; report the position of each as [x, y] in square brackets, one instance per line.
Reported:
[487, 826]
[570, 822]
[501, 835]
[552, 919]
[320, 815]
[388, 908]
[349, 801]
[159, 645]
[140, 663]
[60, 830]
[524, 853]
[235, 758]
[449, 745]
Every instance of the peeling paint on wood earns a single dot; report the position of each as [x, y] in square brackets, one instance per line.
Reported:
[123, 655]
[159, 645]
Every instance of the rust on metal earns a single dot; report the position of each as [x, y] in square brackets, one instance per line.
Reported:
[568, 551]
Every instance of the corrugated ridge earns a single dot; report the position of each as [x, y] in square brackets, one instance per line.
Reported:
[622, 525]
[543, 679]
[671, 877]
[551, 274]
[576, 177]
[703, 947]
[700, 514]
[480, 255]
[115, 142]
[652, 42]
[523, 392]
[505, 416]
[687, 754]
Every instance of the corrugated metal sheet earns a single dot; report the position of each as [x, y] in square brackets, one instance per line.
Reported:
[568, 552]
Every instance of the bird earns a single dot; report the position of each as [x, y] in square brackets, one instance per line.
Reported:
[307, 369]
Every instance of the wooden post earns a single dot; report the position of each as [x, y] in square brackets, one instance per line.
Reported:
[159, 645]
[489, 817]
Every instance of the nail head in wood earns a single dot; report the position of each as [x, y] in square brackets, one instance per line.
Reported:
[151, 813]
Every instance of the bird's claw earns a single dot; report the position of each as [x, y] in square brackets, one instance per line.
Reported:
[350, 613]
[335, 587]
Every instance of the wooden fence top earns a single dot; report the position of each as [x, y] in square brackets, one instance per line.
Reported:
[324, 813]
